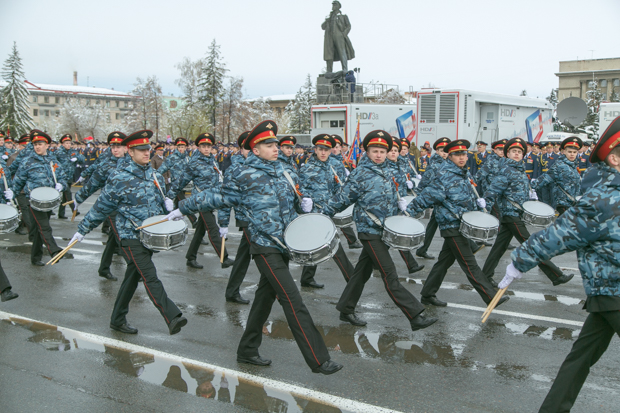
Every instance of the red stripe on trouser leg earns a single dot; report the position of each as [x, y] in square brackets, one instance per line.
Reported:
[147, 287]
[468, 269]
[40, 231]
[209, 235]
[346, 274]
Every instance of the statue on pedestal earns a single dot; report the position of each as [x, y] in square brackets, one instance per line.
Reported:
[337, 45]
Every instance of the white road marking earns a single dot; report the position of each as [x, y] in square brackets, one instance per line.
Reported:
[346, 405]
[520, 315]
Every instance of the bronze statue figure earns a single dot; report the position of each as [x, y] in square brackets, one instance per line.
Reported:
[337, 45]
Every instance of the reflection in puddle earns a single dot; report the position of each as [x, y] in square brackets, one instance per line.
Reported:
[181, 376]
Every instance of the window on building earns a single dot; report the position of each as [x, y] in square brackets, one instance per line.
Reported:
[46, 99]
[87, 102]
[341, 123]
[333, 123]
[97, 102]
[57, 113]
[35, 99]
[126, 104]
[56, 99]
[118, 115]
[604, 96]
[109, 116]
[616, 82]
[118, 103]
[46, 112]
[604, 83]
[35, 112]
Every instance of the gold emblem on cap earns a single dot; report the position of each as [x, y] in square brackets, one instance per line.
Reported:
[116, 135]
[145, 134]
[380, 133]
[269, 126]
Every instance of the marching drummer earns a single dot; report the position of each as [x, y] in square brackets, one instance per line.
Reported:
[319, 182]
[490, 169]
[371, 187]
[563, 176]
[271, 202]
[6, 292]
[134, 191]
[287, 147]
[203, 171]
[451, 195]
[68, 158]
[35, 172]
[509, 190]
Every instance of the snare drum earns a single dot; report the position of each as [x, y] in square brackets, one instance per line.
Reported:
[345, 218]
[311, 239]
[189, 187]
[538, 214]
[479, 226]
[165, 236]
[9, 218]
[416, 182]
[403, 233]
[44, 198]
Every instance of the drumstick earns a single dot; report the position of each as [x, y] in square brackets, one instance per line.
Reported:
[58, 256]
[69, 202]
[74, 214]
[6, 186]
[222, 253]
[492, 304]
[53, 172]
[153, 223]
[473, 186]
[499, 295]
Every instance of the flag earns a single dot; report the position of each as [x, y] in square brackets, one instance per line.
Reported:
[356, 148]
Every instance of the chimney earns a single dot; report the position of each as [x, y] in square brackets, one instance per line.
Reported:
[75, 79]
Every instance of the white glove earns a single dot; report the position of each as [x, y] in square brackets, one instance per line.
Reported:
[174, 215]
[58, 187]
[409, 184]
[306, 204]
[168, 179]
[80, 180]
[402, 204]
[5, 156]
[481, 202]
[511, 274]
[73, 159]
[533, 181]
[8, 194]
[77, 236]
[346, 171]
[169, 204]
[223, 232]
[533, 195]
[418, 176]
[76, 205]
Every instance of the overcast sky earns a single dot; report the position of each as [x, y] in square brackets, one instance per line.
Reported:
[492, 46]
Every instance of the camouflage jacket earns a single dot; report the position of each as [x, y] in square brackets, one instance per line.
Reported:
[318, 182]
[260, 189]
[337, 162]
[21, 156]
[288, 162]
[399, 175]
[230, 181]
[591, 227]
[428, 177]
[87, 173]
[64, 157]
[451, 195]
[487, 173]
[98, 179]
[510, 184]
[371, 188]
[131, 191]
[175, 163]
[406, 165]
[562, 174]
[35, 171]
[202, 171]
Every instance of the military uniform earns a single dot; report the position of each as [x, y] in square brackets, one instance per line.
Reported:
[583, 162]
[545, 192]
[488, 171]
[67, 159]
[173, 166]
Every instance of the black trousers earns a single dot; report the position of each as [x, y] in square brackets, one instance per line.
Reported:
[561, 209]
[206, 224]
[376, 253]
[349, 234]
[41, 233]
[66, 197]
[140, 266]
[181, 196]
[4, 280]
[431, 229]
[276, 282]
[24, 206]
[341, 260]
[457, 248]
[113, 243]
[514, 227]
[593, 340]
[410, 261]
[240, 267]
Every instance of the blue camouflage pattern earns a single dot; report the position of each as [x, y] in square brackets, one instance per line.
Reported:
[175, 163]
[337, 162]
[487, 172]
[288, 162]
[21, 156]
[429, 176]
[399, 176]
[510, 184]
[563, 173]
[230, 181]
[99, 177]
[130, 190]
[202, 170]
[591, 227]
[87, 173]
[318, 182]
[64, 157]
[35, 171]
[263, 192]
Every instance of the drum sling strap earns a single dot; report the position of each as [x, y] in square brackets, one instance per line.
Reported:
[572, 199]
[290, 181]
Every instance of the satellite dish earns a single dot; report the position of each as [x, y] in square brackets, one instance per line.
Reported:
[572, 111]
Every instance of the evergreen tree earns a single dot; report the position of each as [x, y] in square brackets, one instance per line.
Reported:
[299, 110]
[553, 100]
[614, 96]
[211, 83]
[593, 100]
[14, 109]
[190, 77]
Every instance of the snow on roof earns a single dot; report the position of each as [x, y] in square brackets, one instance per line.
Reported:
[81, 90]
[273, 98]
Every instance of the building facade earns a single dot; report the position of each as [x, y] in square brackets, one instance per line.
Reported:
[575, 77]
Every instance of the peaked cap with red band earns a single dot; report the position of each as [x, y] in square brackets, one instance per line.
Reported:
[139, 140]
[65, 137]
[396, 142]
[288, 140]
[459, 145]
[205, 138]
[609, 140]
[441, 143]
[323, 140]
[572, 142]
[181, 141]
[515, 143]
[116, 138]
[337, 139]
[264, 132]
[24, 139]
[8, 138]
[241, 139]
[1, 134]
[379, 138]
[405, 141]
[39, 136]
[499, 144]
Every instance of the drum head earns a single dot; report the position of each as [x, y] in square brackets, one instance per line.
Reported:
[538, 208]
[7, 211]
[416, 181]
[409, 198]
[309, 232]
[480, 219]
[169, 227]
[404, 225]
[44, 193]
[346, 213]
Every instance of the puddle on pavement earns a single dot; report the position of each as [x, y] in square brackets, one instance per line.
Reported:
[181, 376]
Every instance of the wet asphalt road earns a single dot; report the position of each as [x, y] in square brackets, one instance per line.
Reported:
[457, 365]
